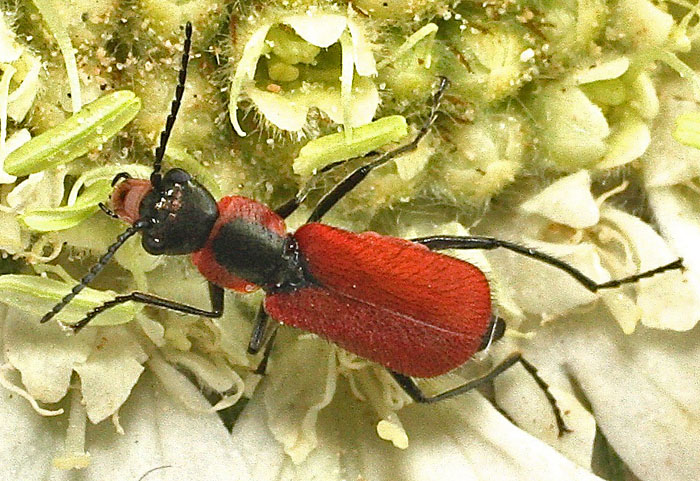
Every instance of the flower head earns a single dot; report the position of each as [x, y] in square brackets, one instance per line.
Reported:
[556, 134]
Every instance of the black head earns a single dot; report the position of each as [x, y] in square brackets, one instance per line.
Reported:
[175, 213]
[180, 215]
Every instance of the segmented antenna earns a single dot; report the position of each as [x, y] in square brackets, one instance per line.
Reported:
[123, 237]
[174, 107]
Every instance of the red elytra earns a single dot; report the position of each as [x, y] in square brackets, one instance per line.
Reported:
[389, 300]
[386, 299]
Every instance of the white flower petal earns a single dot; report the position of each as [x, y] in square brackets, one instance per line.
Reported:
[465, 439]
[567, 201]
[22, 98]
[289, 110]
[362, 51]
[320, 29]
[573, 129]
[10, 50]
[287, 113]
[623, 308]
[643, 24]
[530, 282]
[41, 190]
[518, 395]
[479, 440]
[629, 140]
[11, 239]
[44, 354]
[28, 442]
[110, 372]
[676, 209]
[644, 97]
[668, 300]
[16, 140]
[294, 398]
[667, 161]
[245, 71]
[607, 70]
[643, 389]
[365, 100]
[160, 432]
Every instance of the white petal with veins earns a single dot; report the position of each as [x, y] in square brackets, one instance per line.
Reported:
[294, 397]
[159, 432]
[567, 201]
[667, 300]
[44, 354]
[27, 442]
[110, 372]
[676, 210]
[320, 29]
[462, 440]
[644, 383]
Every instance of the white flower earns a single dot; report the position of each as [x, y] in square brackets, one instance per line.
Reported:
[122, 399]
[351, 102]
[303, 406]
[154, 429]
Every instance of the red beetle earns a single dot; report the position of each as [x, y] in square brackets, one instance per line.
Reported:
[393, 301]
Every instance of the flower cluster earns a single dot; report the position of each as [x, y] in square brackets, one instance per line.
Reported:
[571, 127]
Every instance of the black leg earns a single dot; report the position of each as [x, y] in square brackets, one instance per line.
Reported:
[174, 107]
[286, 209]
[216, 295]
[489, 243]
[412, 389]
[120, 176]
[257, 338]
[262, 367]
[349, 183]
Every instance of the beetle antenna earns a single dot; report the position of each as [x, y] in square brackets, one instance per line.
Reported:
[96, 269]
[174, 107]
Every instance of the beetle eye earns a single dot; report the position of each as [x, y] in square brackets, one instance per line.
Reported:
[176, 176]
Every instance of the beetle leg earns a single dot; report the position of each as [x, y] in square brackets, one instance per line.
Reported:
[489, 243]
[262, 367]
[288, 208]
[412, 389]
[216, 295]
[349, 183]
[257, 337]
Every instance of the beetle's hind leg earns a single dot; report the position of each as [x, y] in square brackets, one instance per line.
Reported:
[442, 242]
[415, 392]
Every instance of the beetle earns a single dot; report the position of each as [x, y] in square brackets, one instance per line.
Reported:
[397, 302]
